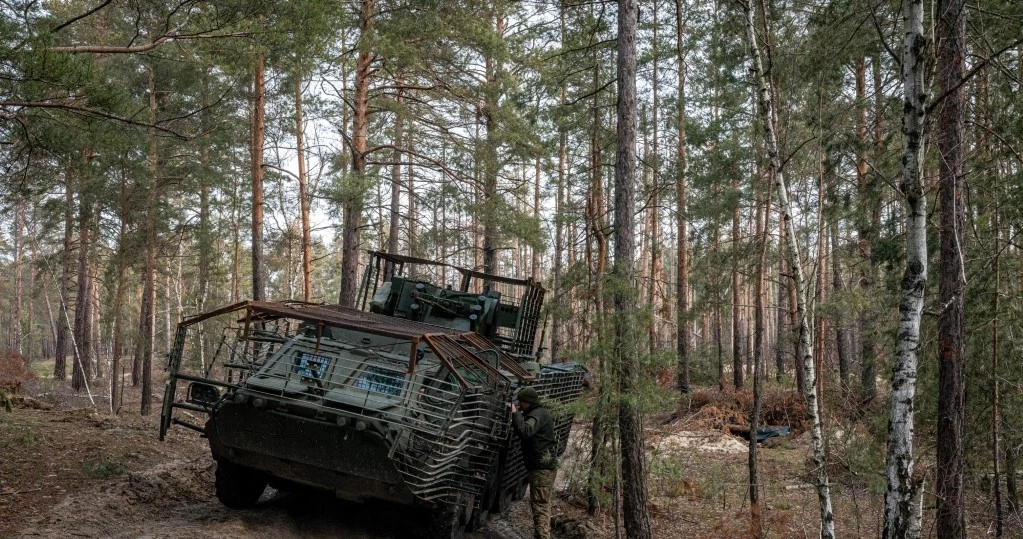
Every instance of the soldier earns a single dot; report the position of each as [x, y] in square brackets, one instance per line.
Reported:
[535, 427]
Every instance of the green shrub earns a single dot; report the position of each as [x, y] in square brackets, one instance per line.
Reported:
[107, 469]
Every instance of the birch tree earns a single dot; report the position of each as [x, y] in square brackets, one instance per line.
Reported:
[766, 108]
[903, 494]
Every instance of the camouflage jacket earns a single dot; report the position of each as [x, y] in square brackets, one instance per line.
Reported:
[536, 430]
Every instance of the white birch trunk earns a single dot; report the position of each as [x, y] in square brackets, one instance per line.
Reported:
[766, 106]
[902, 500]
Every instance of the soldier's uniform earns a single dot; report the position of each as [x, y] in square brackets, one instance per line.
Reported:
[535, 428]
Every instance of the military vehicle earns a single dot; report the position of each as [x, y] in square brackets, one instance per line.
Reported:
[402, 400]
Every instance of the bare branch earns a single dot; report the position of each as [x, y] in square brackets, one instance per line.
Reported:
[966, 78]
[73, 20]
[134, 49]
[86, 111]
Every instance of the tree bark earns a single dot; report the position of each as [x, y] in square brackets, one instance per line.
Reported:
[534, 251]
[951, 454]
[903, 494]
[303, 196]
[866, 233]
[354, 204]
[683, 337]
[147, 311]
[82, 367]
[737, 371]
[19, 284]
[115, 365]
[561, 300]
[782, 331]
[841, 331]
[996, 424]
[33, 256]
[818, 457]
[396, 184]
[596, 234]
[491, 166]
[258, 131]
[653, 296]
[410, 174]
[1011, 452]
[95, 310]
[236, 242]
[634, 493]
[63, 327]
[763, 218]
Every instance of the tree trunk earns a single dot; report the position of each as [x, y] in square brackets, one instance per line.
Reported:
[653, 297]
[841, 331]
[737, 371]
[82, 367]
[559, 296]
[951, 455]
[763, 218]
[147, 311]
[395, 222]
[490, 157]
[412, 208]
[596, 234]
[19, 285]
[782, 331]
[719, 343]
[354, 204]
[236, 242]
[258, 130]
[996, 424]
[94, 319]
[683, 337]
[205, 244]
[33, 256]
[818, 457]
[634, 493]
[904, 492]
[394, 230]
[534, 251]
[870, 226]
[303, 196]
[1011, 453]
[63, 321]
[115, 365]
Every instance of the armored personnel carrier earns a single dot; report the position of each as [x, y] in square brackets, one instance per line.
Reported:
[402, 400]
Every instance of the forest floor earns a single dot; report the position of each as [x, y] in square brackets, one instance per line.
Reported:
[67, 470]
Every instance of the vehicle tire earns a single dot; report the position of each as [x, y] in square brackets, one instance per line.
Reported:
[520, 491]
[503, 499]
[446, 522]
[477, 519]
[238, 486]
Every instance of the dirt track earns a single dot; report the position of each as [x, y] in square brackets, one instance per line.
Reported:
[176, 499]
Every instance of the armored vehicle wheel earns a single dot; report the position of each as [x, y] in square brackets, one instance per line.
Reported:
[477, 519]
[503, 499]
[520, 491]
[237, 486]
[446, 522]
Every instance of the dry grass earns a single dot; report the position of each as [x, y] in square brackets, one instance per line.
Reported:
[57, 459]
